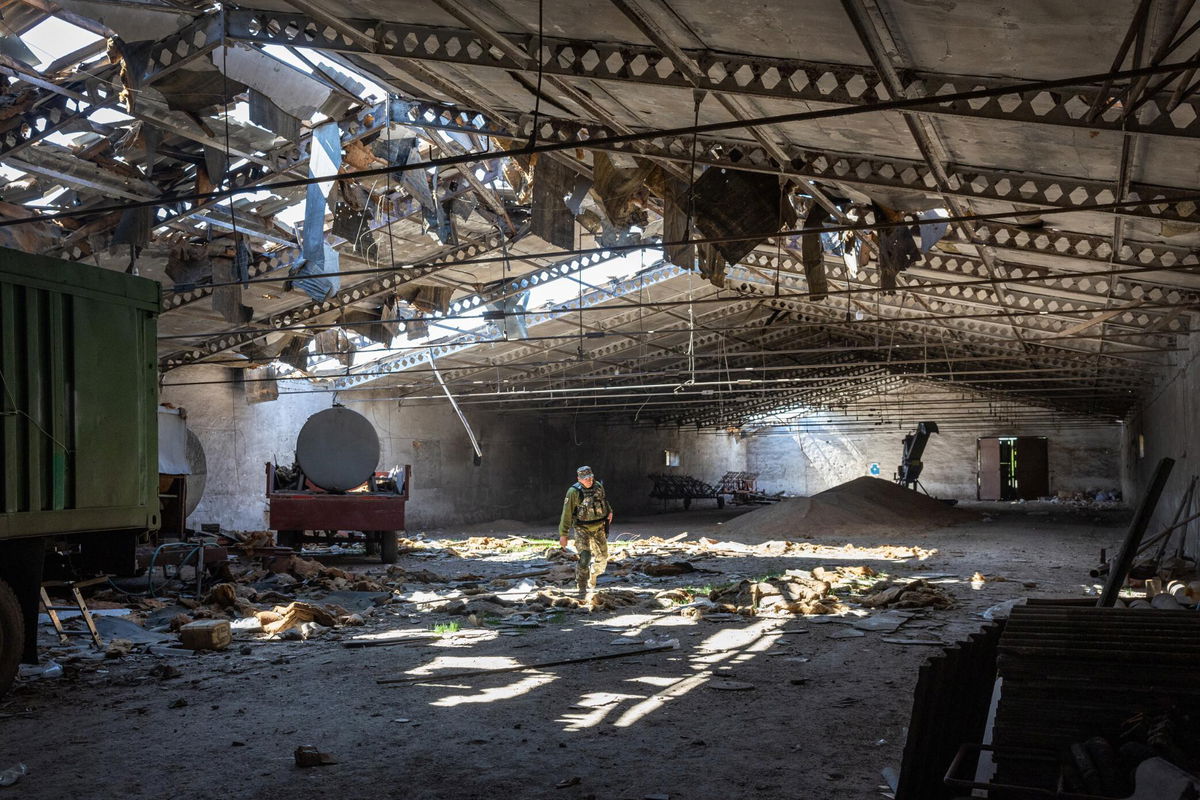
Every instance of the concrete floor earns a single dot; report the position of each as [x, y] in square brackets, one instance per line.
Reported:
[822, 716]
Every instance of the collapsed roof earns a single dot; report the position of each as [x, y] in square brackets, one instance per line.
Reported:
[617, 260]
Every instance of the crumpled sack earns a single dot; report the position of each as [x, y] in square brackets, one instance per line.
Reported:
[296, 614]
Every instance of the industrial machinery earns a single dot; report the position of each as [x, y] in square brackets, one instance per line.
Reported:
[333, 486]
[685, 488]
[78, 434]
[908, 474]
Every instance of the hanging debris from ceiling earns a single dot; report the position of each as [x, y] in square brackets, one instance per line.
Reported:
[741, 208]
[227, 299]
[429, 299]
[367, 324]
[676, 221]
[295, 352]
[293, 92]
[897, 248]
[619, 182]
[188, 265]
[334, 342]
[552, 220]
[260, 385]
[812, 252]
[933, 227]
[317, 256]
[264, 113]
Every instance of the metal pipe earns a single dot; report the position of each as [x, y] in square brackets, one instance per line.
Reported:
[462, 418]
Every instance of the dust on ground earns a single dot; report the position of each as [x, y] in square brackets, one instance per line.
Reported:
[789, 669]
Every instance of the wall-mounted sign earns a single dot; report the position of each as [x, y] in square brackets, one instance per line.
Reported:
[874, 468]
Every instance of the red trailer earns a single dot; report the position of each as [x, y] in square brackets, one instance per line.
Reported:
[375, 514]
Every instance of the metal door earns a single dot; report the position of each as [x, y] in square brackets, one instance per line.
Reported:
[989, 469]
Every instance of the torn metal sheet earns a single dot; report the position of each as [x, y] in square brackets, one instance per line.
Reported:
[747, 207]
[265, 113]
[365, 323]
[295, 92]
[197, 90]
[295, 352]
[134, 228]
[335, 342]
[551, 219]
[354, 225]
[132, 22]
[933, 227]
[12, 47]
[393, 146]
[319, 257]
[318, 288]
[390, 315]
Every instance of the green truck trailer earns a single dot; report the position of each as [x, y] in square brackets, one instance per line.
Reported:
[78, 431]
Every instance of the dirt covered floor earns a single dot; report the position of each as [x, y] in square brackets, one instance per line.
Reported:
[787, 673]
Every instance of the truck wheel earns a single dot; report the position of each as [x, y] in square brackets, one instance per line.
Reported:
[292, 539]
[372, 539]
[389, 548]
[12, 636]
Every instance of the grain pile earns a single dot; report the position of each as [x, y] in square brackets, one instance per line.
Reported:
[863, 504]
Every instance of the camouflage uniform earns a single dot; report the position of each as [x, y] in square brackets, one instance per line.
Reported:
[587, 511]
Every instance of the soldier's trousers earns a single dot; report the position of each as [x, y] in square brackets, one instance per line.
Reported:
[591, 542]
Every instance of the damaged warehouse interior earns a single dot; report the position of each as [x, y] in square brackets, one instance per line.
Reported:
[614, 399]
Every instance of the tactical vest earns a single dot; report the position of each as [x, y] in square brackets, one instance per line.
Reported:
[592, 505]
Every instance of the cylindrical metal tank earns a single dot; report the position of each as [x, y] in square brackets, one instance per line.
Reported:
[337, 449]
[197, 477]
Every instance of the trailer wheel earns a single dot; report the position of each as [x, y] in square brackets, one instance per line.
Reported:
[389, 548]
[292, 539]
[12, 636]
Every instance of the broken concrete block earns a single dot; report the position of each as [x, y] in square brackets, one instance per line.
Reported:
[206, 634]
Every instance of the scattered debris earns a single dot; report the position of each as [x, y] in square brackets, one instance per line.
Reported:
[206, 634]
[307, 755]
[914, 594]
[13, 774]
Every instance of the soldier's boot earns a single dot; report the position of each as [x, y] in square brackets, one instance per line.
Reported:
[583, 572]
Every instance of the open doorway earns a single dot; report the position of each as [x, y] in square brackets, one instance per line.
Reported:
[1013, 468]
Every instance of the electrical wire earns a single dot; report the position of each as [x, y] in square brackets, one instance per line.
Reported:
[898, 104]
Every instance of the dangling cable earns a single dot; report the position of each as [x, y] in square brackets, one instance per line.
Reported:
[537, 98]
[226, 179]
[697, 98]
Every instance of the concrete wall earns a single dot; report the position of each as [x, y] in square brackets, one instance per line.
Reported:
[529, 460]
[1080, 458]
[1166, 419]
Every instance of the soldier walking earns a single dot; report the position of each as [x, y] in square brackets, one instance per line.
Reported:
[586, 509]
